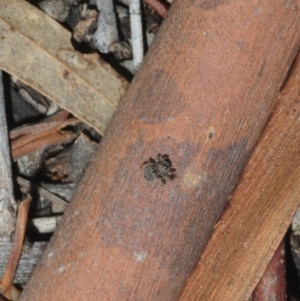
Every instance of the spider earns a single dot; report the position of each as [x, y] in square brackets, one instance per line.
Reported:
[161, 168]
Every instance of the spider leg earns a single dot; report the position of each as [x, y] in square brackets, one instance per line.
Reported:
[145, 163]
[163, 180]
[168, 162]
[171, 177]
[165, 157]
[151, 160]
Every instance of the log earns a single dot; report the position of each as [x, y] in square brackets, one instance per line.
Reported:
[131, 232]
[259, 212]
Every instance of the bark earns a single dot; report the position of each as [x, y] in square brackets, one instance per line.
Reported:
[8, 204]
[259, 212]
[128, 236]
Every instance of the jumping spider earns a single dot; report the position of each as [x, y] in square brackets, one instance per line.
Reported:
[161, 168]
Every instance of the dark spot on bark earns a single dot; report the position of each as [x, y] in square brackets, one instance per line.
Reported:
[164, 108]
[225, 166]
[210, 135]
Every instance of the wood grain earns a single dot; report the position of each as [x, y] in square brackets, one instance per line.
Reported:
[8, 205]
[259, 212]
[38, 50]
[205, 104]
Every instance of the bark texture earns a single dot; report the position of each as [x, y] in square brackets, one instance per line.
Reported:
[8, 204]
[204, 104]
[259, 212]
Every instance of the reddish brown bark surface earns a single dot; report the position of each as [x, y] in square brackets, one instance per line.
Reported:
[204, 104]
[259, 211]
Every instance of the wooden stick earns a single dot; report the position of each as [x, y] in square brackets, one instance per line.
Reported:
[31, 254]
[260, 210]
[8, 204]
[158, 6]
[6, 284]
[43, 142]
[137, 39]
[47, 124]
[131, 233]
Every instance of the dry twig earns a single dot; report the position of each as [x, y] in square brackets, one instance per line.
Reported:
[6, 284]
[30, 138]
[158, 6]
[7, 201]
[106, 33]
[136, 32]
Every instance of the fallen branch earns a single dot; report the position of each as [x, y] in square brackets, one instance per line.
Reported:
[47, 124]
[8, 204]
[136, 32]
[107, 30]
[30, 138]
[136, 226]
[158, 6]
[43, 142]
[6, 284]
[259, 212]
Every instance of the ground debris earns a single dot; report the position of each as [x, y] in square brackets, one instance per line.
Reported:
[51, 148]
